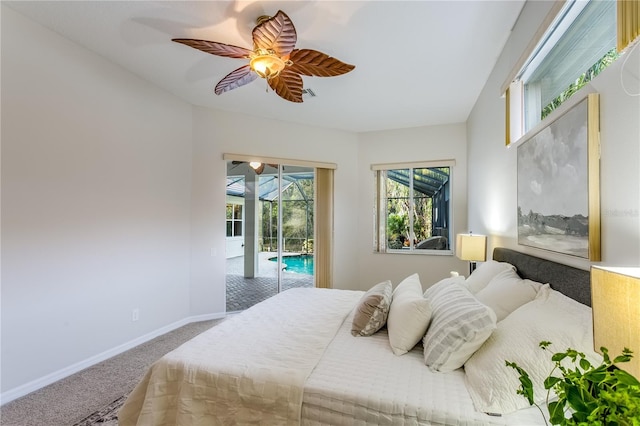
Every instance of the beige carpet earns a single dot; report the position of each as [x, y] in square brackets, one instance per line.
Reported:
[72, 399]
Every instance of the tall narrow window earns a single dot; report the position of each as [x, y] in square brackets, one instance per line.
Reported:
[234, 220]
[412, 213]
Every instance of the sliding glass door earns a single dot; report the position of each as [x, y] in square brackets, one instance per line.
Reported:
[270, 231]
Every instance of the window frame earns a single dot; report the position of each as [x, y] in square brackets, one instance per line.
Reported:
[233, 220]
[380, 207]
[517, 112]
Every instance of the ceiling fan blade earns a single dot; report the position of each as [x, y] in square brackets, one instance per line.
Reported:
[235, 79]
[313, 63]
[287, 85]
[215, 48]
[276, 33]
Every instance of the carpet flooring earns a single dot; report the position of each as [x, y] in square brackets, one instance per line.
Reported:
[76, 398]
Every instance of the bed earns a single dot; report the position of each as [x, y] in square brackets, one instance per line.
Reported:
[293, 359]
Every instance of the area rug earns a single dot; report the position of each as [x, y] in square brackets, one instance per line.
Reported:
[107, 416]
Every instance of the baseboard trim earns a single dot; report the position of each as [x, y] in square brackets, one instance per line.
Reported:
[34, 385]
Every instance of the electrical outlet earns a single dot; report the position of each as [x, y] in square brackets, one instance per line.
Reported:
[135, 314]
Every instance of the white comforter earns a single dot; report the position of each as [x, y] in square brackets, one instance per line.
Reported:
[359, 381]
[251, 368]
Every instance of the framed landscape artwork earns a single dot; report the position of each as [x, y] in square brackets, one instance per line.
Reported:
[559, 180]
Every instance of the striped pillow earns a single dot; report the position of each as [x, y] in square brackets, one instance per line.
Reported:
[460, 324]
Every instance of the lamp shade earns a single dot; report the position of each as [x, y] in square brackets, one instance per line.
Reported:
[615, 300]
[471, 247]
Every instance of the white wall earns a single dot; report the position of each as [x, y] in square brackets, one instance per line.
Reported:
[415, 144]
[492, 166]
[114, 199]
[218, 132]
[96, 171]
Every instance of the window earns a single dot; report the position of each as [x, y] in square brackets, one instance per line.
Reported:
[234, 220]
[412, 212]
[577, 46]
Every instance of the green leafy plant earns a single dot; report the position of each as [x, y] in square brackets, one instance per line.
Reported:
[397, 228]
[587, 394]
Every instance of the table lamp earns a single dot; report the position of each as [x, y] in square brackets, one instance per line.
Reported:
[615, 301]
[471, 247]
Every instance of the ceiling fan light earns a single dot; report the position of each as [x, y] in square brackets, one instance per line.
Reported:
[255, 164]
[267, 66]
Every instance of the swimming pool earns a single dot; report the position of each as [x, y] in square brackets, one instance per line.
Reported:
[301, 263]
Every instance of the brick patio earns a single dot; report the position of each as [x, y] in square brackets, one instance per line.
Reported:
[242, 293]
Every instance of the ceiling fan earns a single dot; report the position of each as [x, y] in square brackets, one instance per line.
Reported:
[273, 58]
[256, 166]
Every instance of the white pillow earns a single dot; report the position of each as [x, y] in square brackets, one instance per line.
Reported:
[459, 279]
[553, 317]
[409, 315]
[484, 273]
[459, 326]
[506, 292]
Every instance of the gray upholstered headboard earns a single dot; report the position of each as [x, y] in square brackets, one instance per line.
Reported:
[573, 282]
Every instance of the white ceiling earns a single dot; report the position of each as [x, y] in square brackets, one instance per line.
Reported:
[417, 62]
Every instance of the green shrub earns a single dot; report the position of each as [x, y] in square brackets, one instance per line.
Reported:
[587, 394]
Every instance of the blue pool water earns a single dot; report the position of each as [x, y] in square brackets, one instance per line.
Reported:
[301, 264]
